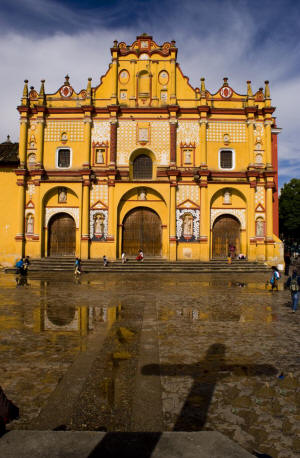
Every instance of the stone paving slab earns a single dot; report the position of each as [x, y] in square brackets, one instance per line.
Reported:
[89, 444]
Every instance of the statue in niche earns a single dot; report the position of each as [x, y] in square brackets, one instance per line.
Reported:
[188, 225]
[62, 195]
[260, 227]
[227, 198]
[142, 195]
[259, 158]
[31, 159]
[99, 225]
[29, 225]
[99, 156]
[188, 156]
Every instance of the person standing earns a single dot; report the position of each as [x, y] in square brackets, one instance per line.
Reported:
[293, 283]
[275, 277]
[105, 261]
[77, 266]
[124, 259]
[287, 262]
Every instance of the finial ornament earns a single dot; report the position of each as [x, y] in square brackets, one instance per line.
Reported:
[8, 139]
[24, 99]
[89, 87]
[202, 85]
[42, 89]
[249, 89]
[25, 90]
[115, 43]
[225, 81]
[67, 80]
[267, 90]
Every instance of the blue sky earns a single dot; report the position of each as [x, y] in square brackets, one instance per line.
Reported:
[243, 40]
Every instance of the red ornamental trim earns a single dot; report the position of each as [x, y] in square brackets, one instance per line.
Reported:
[66, 91]
[19, 237]
[85, 237]
[226, 92]
[113, 142]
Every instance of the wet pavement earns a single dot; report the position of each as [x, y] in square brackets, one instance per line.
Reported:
[156, 353]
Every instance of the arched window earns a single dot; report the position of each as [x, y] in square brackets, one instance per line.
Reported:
[142, 167]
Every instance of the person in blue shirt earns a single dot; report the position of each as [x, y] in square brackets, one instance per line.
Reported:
[293, 283]
[275, 277]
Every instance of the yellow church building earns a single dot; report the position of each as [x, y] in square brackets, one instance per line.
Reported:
[142, 160]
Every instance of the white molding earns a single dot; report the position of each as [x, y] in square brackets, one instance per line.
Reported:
[240, 214]
[72, 211]
[233, 158]
[196, 222]
[56, 157]
[92, 214]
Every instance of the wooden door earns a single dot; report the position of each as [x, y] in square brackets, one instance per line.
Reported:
[226, 231]
[142, 229]
[61, 235]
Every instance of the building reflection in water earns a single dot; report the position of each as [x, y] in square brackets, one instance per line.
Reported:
[67, 318]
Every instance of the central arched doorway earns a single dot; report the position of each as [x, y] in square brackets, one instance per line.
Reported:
[226, 231]
[142, 229]
[61, 235]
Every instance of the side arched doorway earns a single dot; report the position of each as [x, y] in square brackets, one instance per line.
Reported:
[61, 235]
[226, 231]
[142, 229]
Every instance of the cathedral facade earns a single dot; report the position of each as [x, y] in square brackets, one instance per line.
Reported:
[142, 160]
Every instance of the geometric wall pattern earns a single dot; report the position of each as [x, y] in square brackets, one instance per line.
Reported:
[185, 192]
[159, 141]
[188, 132]
[260, 196]
[101, 131]
[73, 129]
[99, 192]
[236, 131]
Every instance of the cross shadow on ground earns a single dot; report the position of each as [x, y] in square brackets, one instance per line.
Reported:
[205, 374]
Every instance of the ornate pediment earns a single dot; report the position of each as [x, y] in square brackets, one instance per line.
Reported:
[187, 204]
[99, 205]
[259, 208]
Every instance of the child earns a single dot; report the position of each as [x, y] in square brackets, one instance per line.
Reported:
[140, 256]
[105, 261]
[77, 266]
[275, 277]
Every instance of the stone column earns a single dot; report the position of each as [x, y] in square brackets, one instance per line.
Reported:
[20, 216]
[113, 142]
[173, 127]
[203, 143]
[87, 141]
[111, 198]
[172, 220]
[204, 220]
[132, 82]
[173, 82]
[114, 81]
[268, 149]
[251, 160]
[251, 222]
[40, 141]
[155, 83]
[23, 140]
[269, 221]
[85, 219]
[269, 201]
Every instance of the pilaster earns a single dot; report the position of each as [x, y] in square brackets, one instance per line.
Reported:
[85, 218]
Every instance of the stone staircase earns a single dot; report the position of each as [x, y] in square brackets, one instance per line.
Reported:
[150, 265]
